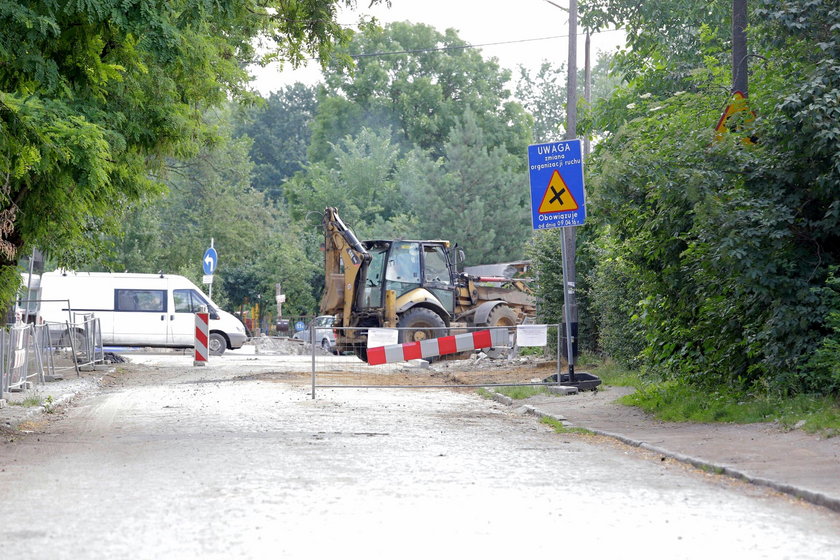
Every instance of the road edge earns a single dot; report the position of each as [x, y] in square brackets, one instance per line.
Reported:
[810, 496]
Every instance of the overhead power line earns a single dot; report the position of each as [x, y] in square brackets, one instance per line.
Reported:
[461, 47]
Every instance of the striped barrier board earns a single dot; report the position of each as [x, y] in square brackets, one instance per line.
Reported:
[438, 346]
[202, 335]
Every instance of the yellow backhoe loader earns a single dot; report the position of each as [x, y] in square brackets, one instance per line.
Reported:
[414, 285]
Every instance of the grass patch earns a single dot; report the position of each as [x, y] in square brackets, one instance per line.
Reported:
[29, 402]
[678, 402]
[613, 373]
[518, 393]
[561, 428]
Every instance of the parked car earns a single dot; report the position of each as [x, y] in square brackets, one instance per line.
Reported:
[324, 334]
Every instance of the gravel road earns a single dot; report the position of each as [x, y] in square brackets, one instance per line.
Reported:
[178, 462]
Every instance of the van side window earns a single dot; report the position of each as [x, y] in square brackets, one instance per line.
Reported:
[140, 300]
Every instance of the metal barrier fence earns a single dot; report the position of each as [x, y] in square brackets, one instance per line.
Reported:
[22, 361]
[81, 342]
[37, 353]
[524, 355]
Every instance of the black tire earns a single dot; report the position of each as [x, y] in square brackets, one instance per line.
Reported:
[360, 352]
[325, 346]
[217, 344]
[76, 337]
[502, 316]
[423, 324]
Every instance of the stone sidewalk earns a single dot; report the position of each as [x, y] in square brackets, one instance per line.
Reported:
[790, 461]
[17, 409]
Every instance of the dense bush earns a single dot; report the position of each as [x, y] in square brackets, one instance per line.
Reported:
[714, 254]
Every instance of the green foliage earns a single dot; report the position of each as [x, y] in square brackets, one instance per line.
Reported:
[708, 260]
[419, 144]
[677, 401]
[616, 298]
[280, 130]
[544, 96]
[825, 363]
[476, 189]
[521, 392]
[545, 252]
[562, 428]
[663, 38]
[361, 182]
[416, 93]
[96, 95]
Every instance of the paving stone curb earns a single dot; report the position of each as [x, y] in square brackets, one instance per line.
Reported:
[816, 498]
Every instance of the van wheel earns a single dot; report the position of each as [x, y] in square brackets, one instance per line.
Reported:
[217, 344]
[76, 338]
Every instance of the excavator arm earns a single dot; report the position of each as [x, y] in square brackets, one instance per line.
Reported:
[345, 259]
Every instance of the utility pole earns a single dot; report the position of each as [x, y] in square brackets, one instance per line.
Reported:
[739, 46]
[570, 232]
[587, 89]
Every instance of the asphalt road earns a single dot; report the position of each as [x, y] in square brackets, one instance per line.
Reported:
[176, 462]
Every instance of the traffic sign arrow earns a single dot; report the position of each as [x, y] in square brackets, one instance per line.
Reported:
[211, 260]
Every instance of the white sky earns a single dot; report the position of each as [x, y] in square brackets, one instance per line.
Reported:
[477, 22]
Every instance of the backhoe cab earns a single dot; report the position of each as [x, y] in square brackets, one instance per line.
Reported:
[414, 285]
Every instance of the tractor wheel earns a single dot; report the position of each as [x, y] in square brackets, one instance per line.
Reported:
[360, 352]
[500, 316]
[419, 323]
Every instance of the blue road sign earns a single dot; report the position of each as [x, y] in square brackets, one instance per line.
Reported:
[210, 261]
[557, 193]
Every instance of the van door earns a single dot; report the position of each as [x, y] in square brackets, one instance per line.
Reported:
[187, 302]
[140, 317]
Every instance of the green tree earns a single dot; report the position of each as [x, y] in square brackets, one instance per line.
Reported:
[544, 96]
[727, 247]
[280, 130]
[95, 96]
[360, 181]
[417, 82]
[208, 196]
[476, 196]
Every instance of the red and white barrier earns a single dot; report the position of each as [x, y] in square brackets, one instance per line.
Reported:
[438, 346]
[202, 335]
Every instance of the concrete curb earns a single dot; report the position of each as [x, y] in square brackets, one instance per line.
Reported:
[59, 402]
[816, 498]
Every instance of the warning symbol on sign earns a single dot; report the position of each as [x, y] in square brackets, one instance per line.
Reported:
[558, 197]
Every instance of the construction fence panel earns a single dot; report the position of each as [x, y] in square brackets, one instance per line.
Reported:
[23, 361]
[74, 346]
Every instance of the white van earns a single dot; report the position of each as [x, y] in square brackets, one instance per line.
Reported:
[137, 309]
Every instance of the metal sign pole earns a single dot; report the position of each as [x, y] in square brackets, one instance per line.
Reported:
[312, 345]
[210, 290]
[568, 303]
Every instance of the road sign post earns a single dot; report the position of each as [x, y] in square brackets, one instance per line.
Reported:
[557, 192]
[558, 199]
[209, 263]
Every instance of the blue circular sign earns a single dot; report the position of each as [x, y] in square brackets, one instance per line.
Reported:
[299, 326]
[210, 261]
